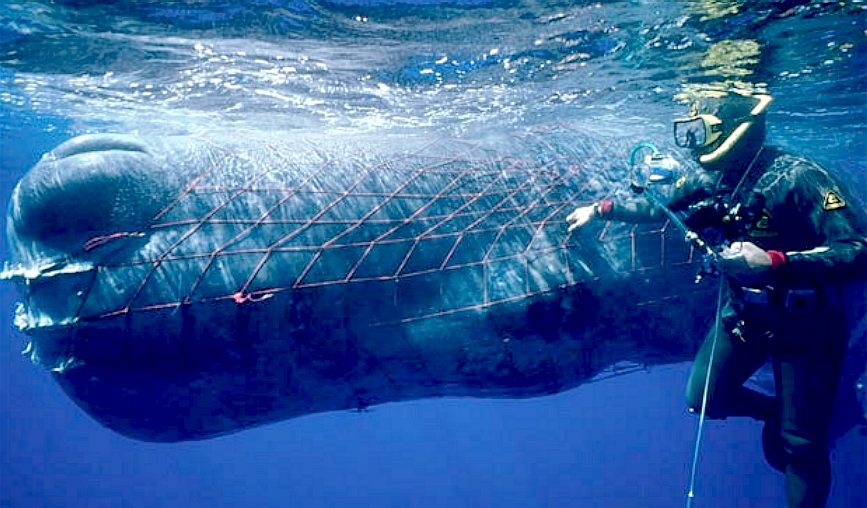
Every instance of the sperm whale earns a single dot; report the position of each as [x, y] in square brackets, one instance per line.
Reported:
[182, 288]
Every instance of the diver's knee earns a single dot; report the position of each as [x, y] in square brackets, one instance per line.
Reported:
[711, 410]
[804, 450]
[693, 401]
[694, 396]
[772, 446]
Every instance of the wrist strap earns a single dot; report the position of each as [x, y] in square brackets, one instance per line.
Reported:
[604, 207]
[778, 258]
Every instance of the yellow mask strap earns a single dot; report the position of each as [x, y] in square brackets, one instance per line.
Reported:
[738, 133]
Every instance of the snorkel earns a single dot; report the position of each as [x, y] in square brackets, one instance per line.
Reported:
[648, 167]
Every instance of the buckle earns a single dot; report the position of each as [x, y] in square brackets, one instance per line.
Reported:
[756, 296]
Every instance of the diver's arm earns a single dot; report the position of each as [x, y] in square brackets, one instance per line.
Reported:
[634, 210]
[686, 191]
[820, 211]
[842, 252]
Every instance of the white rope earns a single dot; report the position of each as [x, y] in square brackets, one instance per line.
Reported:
[690, 495]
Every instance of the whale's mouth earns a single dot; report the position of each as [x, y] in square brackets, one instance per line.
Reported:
[52, 297]
[84, 203]
[51, 291]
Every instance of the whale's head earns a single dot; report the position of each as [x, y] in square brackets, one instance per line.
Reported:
[118, 242]
[84, 204]
[89, 187]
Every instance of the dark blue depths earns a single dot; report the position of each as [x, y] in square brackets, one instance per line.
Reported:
[609, 443]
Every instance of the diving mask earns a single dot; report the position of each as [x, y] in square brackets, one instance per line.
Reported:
[697, 131]
[716, 124]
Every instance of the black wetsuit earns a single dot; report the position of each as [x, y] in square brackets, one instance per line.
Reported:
[797, 317]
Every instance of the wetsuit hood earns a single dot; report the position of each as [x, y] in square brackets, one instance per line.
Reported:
[735, 125]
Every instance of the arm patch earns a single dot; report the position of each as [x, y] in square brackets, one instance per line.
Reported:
[832, 201]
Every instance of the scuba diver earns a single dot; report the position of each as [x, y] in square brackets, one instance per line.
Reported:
[787, 239]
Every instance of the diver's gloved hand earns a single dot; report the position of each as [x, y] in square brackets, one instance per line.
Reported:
[748, 263]
[581, 216]
[584, 214]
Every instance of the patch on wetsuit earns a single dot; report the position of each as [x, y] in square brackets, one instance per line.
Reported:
[833, 201]
[762, 226]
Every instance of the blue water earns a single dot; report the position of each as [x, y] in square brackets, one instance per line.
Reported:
[464, 69]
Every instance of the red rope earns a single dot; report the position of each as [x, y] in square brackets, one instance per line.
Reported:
[524, 195]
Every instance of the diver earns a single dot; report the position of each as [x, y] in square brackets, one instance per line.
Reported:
[789, 239]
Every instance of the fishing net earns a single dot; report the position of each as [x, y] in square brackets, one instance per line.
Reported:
[448, 227]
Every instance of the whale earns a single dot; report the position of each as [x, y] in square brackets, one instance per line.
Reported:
[185, 287]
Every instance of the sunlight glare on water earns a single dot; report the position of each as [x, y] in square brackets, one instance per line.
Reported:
[366, 65]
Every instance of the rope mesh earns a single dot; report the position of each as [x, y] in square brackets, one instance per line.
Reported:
[492, 226]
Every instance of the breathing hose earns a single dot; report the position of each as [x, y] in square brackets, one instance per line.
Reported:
[639, 186]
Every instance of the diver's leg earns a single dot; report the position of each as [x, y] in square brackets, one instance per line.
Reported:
[734, 361]
[772, 440]
[810, 360]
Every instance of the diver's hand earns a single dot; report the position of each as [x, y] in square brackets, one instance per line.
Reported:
[581, 216]
[746, 262]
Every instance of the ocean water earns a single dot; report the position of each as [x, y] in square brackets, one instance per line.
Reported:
[461, 69]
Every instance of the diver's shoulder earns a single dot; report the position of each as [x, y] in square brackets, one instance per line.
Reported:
[793, 167]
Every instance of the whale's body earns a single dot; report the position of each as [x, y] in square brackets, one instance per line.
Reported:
[182, 289]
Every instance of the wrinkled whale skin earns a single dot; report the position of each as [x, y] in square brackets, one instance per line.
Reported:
[164, 326]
